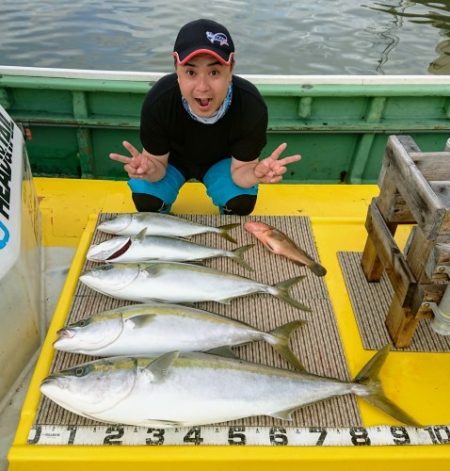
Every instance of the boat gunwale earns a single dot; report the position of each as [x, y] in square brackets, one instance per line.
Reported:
[259, 79]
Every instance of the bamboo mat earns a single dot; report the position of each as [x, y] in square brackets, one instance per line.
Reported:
[317, 343]
[371, 303]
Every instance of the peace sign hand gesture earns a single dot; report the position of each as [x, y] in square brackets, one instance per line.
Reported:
[271, 170]
[142, 165]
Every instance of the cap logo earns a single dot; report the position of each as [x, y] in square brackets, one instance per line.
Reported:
[217, 37]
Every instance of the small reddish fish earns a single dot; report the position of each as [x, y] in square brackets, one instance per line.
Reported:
[280, 244]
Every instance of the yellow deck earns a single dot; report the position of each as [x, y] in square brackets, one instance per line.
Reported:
[418, 382]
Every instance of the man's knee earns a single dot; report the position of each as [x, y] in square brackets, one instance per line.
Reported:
[241, 205]
[147, 203]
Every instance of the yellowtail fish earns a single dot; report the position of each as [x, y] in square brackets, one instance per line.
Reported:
[135, 249]
[156, 328]
[280, 244]
[178, 390]
[162, 225]
[174, 282]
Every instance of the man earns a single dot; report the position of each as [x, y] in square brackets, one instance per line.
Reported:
[204, 123]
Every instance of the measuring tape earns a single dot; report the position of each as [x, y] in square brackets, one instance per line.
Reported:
[239, 436]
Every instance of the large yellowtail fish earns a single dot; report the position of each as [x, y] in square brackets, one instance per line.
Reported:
[280, 244]
[154, 329]
[176, 390]
[174, 282]
[160, 224]
[135, 249]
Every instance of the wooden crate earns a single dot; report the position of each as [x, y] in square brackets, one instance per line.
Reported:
[414, 189]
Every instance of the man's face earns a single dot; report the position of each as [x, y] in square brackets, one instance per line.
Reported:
[204, 83]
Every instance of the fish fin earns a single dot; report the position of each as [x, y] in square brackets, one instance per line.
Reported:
[317, 269]
[160, 367]
[281, 291]
[223, 352]
[283, 414]
[269, 246]
[238, 258]
[374, 394]
[280, 236]
[279, 339]
[140, 320]
[224, 231]
[314, 266]
[141, 235]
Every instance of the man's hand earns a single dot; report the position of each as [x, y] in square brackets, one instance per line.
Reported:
[141, 165]
[271, 170]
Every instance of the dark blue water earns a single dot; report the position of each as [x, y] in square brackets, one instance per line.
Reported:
[271, 37]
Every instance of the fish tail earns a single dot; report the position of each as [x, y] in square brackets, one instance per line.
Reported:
[238, 256]
[317, 269]
[281, 291]
[373, 391]
[279, 339]
[223, 231]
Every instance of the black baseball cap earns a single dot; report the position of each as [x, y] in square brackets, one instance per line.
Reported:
[203, 37]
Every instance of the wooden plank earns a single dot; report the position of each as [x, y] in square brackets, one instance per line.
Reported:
[371, 264]
[433, 292]
[409, 144]
[399, 212]
[442, 252]
[401, 323]
[391, 203]
[432, 165]
[425, 312]
[388, 192]
[417, 252]
[401, 277]
[425, 206]
[384, 166]
[442, 191]
[443, 235]
[438, 257]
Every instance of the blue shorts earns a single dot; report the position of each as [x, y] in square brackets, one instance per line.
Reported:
[220, 187]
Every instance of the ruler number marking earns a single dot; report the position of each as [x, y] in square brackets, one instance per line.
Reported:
[156, 438]
[359, 436]
[193, 436]
[401, 435]
[236, 436]
[322, 434]
[439, 434]
[115, 433]
[278, 436]
[73, 431]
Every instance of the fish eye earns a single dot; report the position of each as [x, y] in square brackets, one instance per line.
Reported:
[81, 323]
[79, 372]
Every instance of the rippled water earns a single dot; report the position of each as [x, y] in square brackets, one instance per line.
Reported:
[271, 37]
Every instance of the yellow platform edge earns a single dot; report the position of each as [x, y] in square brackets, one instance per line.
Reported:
[418, 382]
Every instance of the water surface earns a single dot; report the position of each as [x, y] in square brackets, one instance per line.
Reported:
[271, 37]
